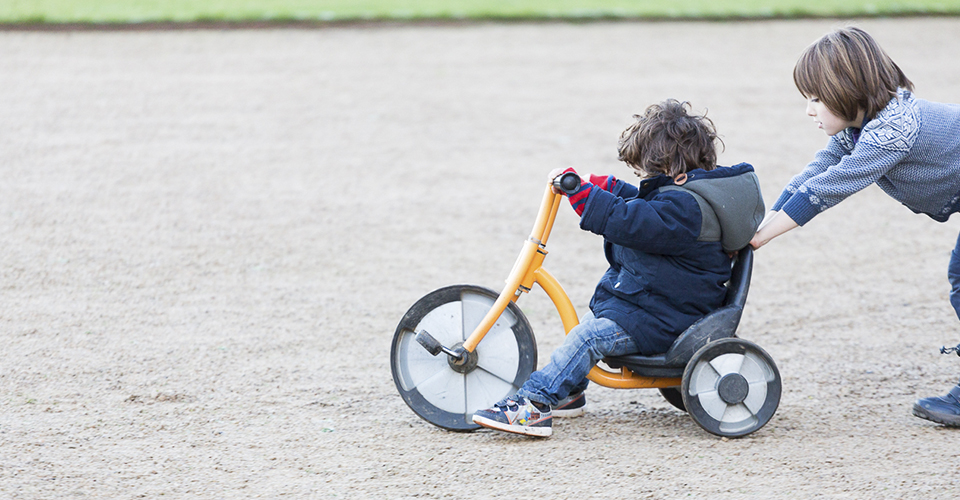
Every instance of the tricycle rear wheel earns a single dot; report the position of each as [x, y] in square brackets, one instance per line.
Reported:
[731, 387]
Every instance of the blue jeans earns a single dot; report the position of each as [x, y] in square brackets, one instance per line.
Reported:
[953, 274]
[586, 344]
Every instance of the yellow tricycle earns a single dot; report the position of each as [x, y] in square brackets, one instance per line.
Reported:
[462, 348]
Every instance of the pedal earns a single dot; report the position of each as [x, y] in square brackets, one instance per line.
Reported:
[429, 343]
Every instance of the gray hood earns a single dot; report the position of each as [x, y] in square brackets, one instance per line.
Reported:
[732, 205]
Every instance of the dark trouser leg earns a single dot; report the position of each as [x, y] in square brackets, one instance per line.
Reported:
[953, 274]
[945, 409]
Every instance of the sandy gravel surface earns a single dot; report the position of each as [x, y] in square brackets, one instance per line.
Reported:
[207, 239]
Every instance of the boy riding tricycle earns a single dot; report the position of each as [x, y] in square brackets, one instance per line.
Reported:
[664, 315]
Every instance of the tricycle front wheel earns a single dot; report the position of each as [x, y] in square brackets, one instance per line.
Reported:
[447, 395]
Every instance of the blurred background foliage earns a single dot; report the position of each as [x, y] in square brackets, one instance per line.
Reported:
[321, 11]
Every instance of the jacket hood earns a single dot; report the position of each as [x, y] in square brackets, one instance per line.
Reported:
[731, 203]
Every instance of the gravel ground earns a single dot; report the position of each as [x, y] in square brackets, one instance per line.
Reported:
[208, 238]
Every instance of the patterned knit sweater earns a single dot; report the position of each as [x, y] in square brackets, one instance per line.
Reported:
[911, 150]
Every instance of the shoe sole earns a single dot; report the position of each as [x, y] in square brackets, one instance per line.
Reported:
[950, 421]
[515, 429]
[572, 412]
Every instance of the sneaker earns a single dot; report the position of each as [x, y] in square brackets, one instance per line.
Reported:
[942, 410]
[571, 406]
[518, 415]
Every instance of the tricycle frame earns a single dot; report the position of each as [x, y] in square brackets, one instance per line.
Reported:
[529, 270]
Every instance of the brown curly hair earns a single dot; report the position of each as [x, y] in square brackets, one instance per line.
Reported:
[665, 139]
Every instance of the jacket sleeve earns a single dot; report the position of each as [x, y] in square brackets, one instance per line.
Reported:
[669, 223]
[624, 189]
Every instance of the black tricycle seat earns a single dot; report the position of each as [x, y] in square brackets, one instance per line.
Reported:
[719, 324]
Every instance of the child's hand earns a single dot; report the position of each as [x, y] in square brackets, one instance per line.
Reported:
[557, 172]
[773, 225]
[604, 182]
[553, 175]
[578, 199]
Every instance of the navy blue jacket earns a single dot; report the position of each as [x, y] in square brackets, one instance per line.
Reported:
[668, 248]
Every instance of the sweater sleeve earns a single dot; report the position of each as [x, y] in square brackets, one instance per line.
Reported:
[852, 174]
[826, 157]
[835, 174]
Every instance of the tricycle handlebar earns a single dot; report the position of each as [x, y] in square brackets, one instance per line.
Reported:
[569, 183]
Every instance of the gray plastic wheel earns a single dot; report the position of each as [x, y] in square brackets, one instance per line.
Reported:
[731, 387]
[435, 390]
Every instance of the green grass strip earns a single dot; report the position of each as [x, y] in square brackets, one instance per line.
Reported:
[148, 11]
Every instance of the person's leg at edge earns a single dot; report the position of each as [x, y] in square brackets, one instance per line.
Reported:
[945, 409]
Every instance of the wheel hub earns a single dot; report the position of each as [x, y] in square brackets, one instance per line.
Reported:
[733, 388]
[467, 361]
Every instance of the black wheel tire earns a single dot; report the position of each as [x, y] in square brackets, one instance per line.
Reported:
[731, 387]
[674, 397]
[430, 386]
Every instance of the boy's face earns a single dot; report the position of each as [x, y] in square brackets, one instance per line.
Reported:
[826, 119]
